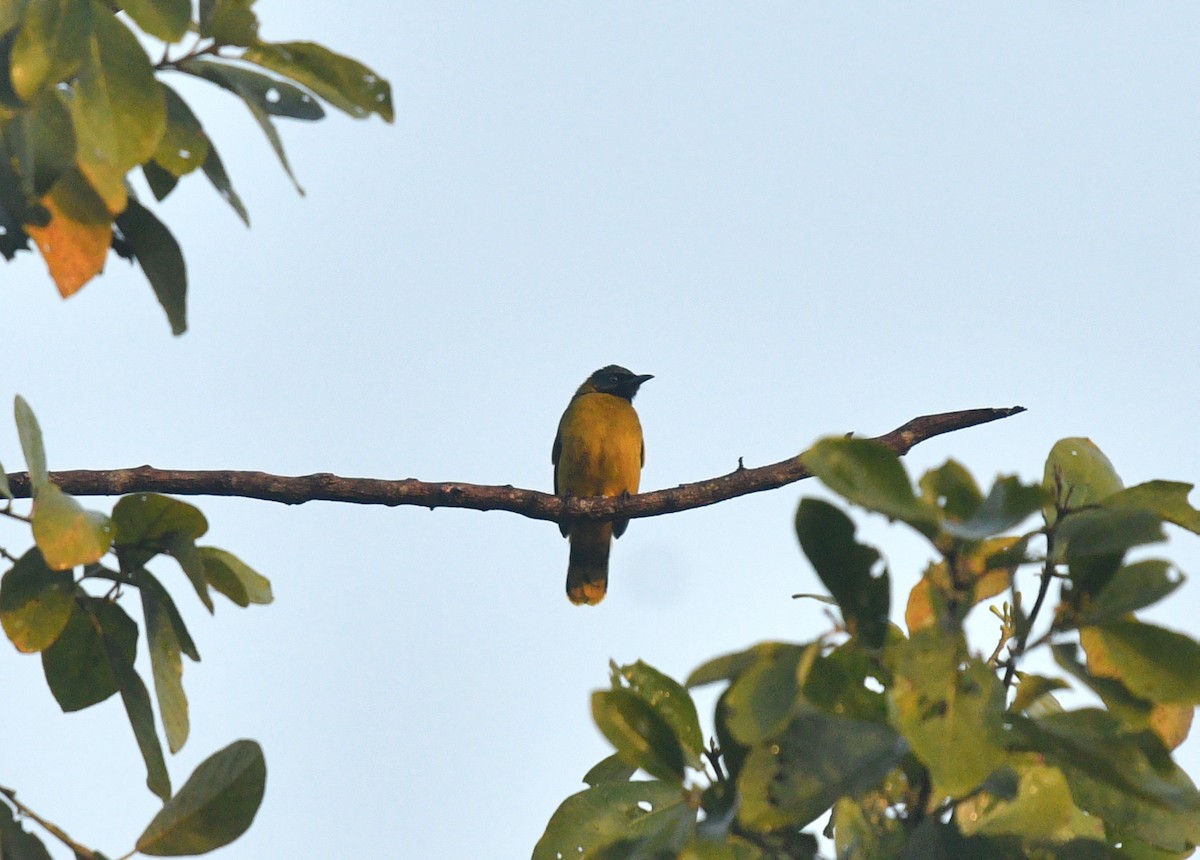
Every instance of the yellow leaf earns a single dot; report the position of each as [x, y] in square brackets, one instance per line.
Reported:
[1172, 723]
[66, 533]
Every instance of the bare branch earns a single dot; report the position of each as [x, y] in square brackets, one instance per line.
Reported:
[530, 503]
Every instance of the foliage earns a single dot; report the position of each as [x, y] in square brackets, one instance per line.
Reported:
[61, 599]
[82, 105]
[920, 745]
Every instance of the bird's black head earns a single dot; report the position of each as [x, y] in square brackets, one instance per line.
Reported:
[618, 381]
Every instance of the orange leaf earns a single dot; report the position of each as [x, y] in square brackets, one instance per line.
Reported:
[76, 241]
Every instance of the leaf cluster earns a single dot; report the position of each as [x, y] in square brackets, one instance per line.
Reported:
[61, 599]
[82, 105]
[912, 743]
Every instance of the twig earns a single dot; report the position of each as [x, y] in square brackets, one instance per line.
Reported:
[529, 503]
[49, 826]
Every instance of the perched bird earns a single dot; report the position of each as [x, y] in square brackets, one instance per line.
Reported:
[598, 452]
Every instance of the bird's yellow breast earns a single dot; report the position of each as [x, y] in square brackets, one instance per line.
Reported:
[599, 447]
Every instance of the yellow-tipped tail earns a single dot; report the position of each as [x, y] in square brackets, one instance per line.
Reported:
[587, 571]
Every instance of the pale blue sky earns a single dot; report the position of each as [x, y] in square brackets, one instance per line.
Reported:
[804, 219]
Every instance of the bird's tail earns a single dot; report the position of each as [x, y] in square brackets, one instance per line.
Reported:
[587, 571]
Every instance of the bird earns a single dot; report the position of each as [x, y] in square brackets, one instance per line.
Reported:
[598, 451]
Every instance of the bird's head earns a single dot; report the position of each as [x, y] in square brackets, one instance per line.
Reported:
[617, 381]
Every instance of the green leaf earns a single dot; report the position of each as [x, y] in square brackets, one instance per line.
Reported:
[164, 19]
[215, 806]
[161, 260]
[118, 109]
[35, 602]
[872, 476]
[147, 520]
[605, 814]
[1166, 499]
[184, 145]
[1131, 710]
[730, 666]
[163, 624]
[847, 569]
[77, 666]
[345, 83]
[49, 44]
[161, 181]
[1132, 587]
[214, 169]
[229, 22]
[31, 443]
[49, 138]
[15, 842]
[1032, 688]
[5, 489]
[232, 577]
[66, 533]
[952, 717]
[11, 15]
[790, 781]
[1154, 663]
[611, 769]
[1042, 808]
[760, 703]
[840, 683]
[270, 95]
[641, 736]
[1090, 742]
[1077, 474]
[254, 97]
[1008, 504]
[952, 488]
[191, 561]
[1105, 531]
[136, 700]
[672, 702]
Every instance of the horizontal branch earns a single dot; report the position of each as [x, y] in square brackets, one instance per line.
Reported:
[530, 503]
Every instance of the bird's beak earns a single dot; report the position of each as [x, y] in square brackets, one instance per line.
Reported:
[644, 378]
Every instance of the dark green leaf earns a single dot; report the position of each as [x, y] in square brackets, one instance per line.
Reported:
[49, 44]
[184, 145]
[1105, 531]
[345, 83]
[214, 169]
[229, 22]
[790, 781]
[148, 519]
[611, 769]
[114, 641]
[762, 699]
[642, 737]
[666, 696]
[165, 19]
[869, 474]
[77, 666]
[951, 716]
[32, 447]
[1132, 587]
[231, 576]
[15, 842]
[161, 181]
[269, 95]
[1166, 499]
[66, 533]
[191, 561]
[1077, 474]
[1008, 504]
[953, 489]
[605, 814]
[839, 683]
[161, 260]
[215, 806]
[1090, 741]
[35, 602]
[50, 140]
[1158, 664]
[847, 568]
[118, 109]
[163, 626]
